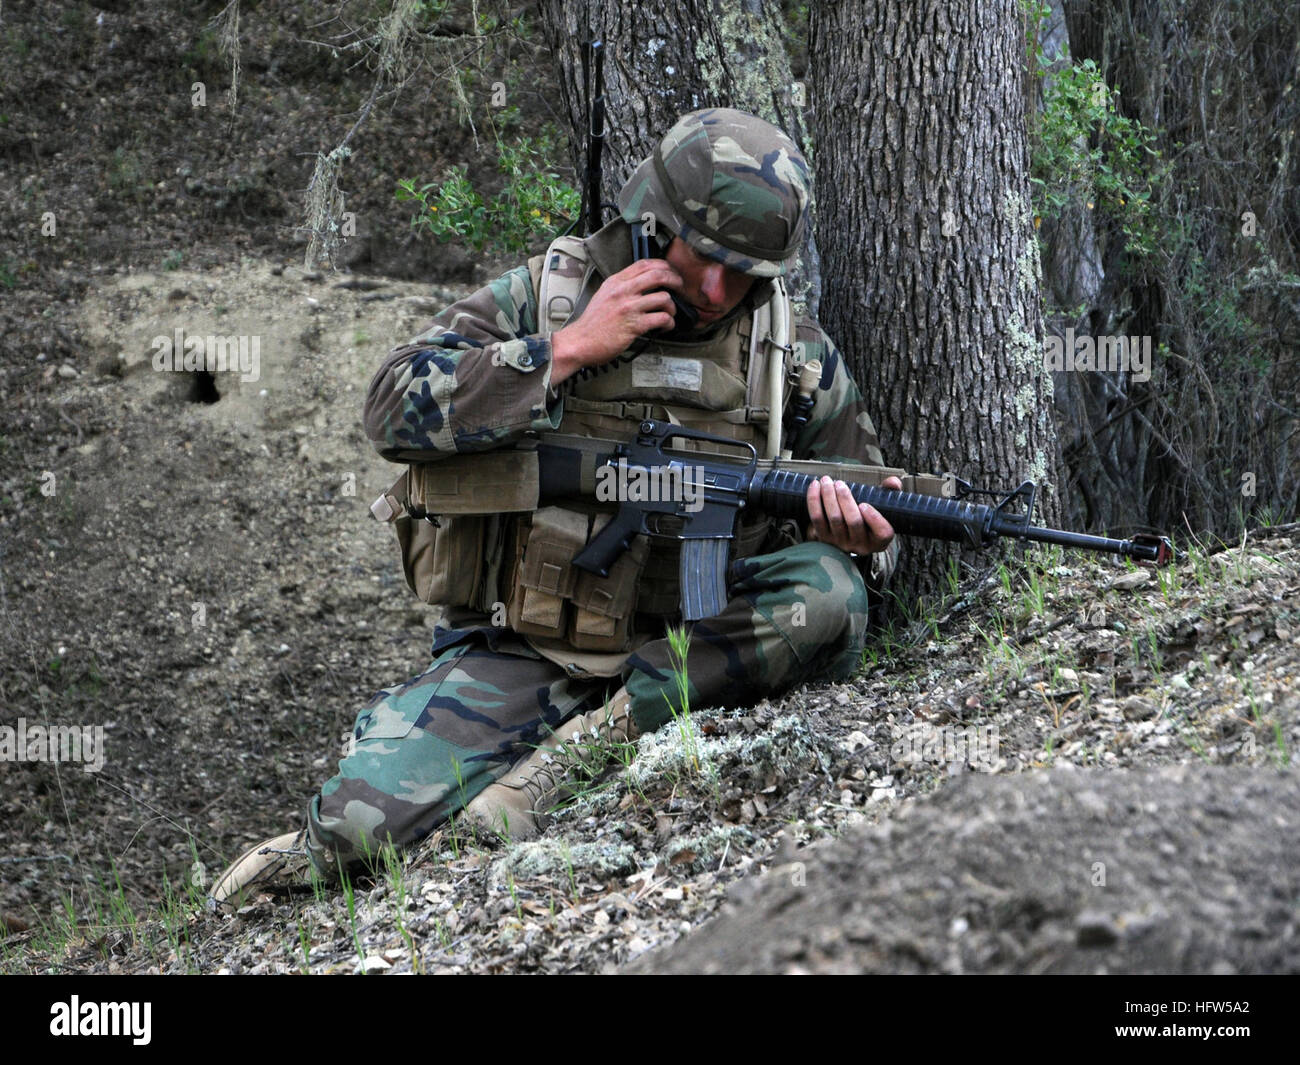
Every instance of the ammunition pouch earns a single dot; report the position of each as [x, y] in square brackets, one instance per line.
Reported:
[552, 598]
[453, 526]
[444, 562]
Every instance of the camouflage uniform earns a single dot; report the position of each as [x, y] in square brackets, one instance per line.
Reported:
[479, 378]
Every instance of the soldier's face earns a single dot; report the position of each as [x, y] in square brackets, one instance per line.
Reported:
[711, 288]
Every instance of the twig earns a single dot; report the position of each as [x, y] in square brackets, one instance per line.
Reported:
[38, 858]
[73, 424]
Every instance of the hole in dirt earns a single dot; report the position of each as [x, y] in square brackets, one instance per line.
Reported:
[203, 387]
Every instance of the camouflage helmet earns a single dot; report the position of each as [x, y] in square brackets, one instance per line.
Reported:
[734, 187]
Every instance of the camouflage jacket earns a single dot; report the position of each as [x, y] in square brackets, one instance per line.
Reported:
[479, 377]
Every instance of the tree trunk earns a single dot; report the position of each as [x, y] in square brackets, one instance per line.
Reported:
[664, 59]
[930, 267]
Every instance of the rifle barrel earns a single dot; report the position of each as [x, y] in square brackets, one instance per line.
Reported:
[1143, 548]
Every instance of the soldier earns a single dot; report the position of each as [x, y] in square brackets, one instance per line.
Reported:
[534, 663]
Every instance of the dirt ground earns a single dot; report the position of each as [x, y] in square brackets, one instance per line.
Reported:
[190, 563]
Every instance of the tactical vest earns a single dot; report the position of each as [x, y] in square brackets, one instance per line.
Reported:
[517, 567]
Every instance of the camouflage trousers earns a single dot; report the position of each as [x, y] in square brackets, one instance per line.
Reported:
[422, 750]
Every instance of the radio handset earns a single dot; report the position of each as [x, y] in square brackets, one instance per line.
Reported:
[686, 317]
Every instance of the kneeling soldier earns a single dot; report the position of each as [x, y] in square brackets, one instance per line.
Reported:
[674, 311]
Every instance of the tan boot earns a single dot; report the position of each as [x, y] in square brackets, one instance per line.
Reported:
[515, 805]
[280, 861]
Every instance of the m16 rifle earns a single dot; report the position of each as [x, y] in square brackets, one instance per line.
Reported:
[697, 497]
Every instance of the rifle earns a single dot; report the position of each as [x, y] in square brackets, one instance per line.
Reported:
[697, 497]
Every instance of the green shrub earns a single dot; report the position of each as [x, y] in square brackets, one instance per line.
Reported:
[532, 205]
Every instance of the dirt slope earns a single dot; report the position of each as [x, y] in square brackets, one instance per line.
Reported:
[1188, 869]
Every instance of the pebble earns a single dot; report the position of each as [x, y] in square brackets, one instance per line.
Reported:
[1138, 709]
[1093, 929]
[856, 740]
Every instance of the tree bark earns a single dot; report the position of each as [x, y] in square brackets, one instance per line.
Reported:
[664, 59]
[931, 274]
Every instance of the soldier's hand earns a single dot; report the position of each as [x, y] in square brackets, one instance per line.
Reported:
[629, 304]
[836, 518]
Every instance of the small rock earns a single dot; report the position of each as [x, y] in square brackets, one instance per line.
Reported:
[375, 964]
[856, 740]
[1129, 581]
[1093, 929]
[66, 371]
